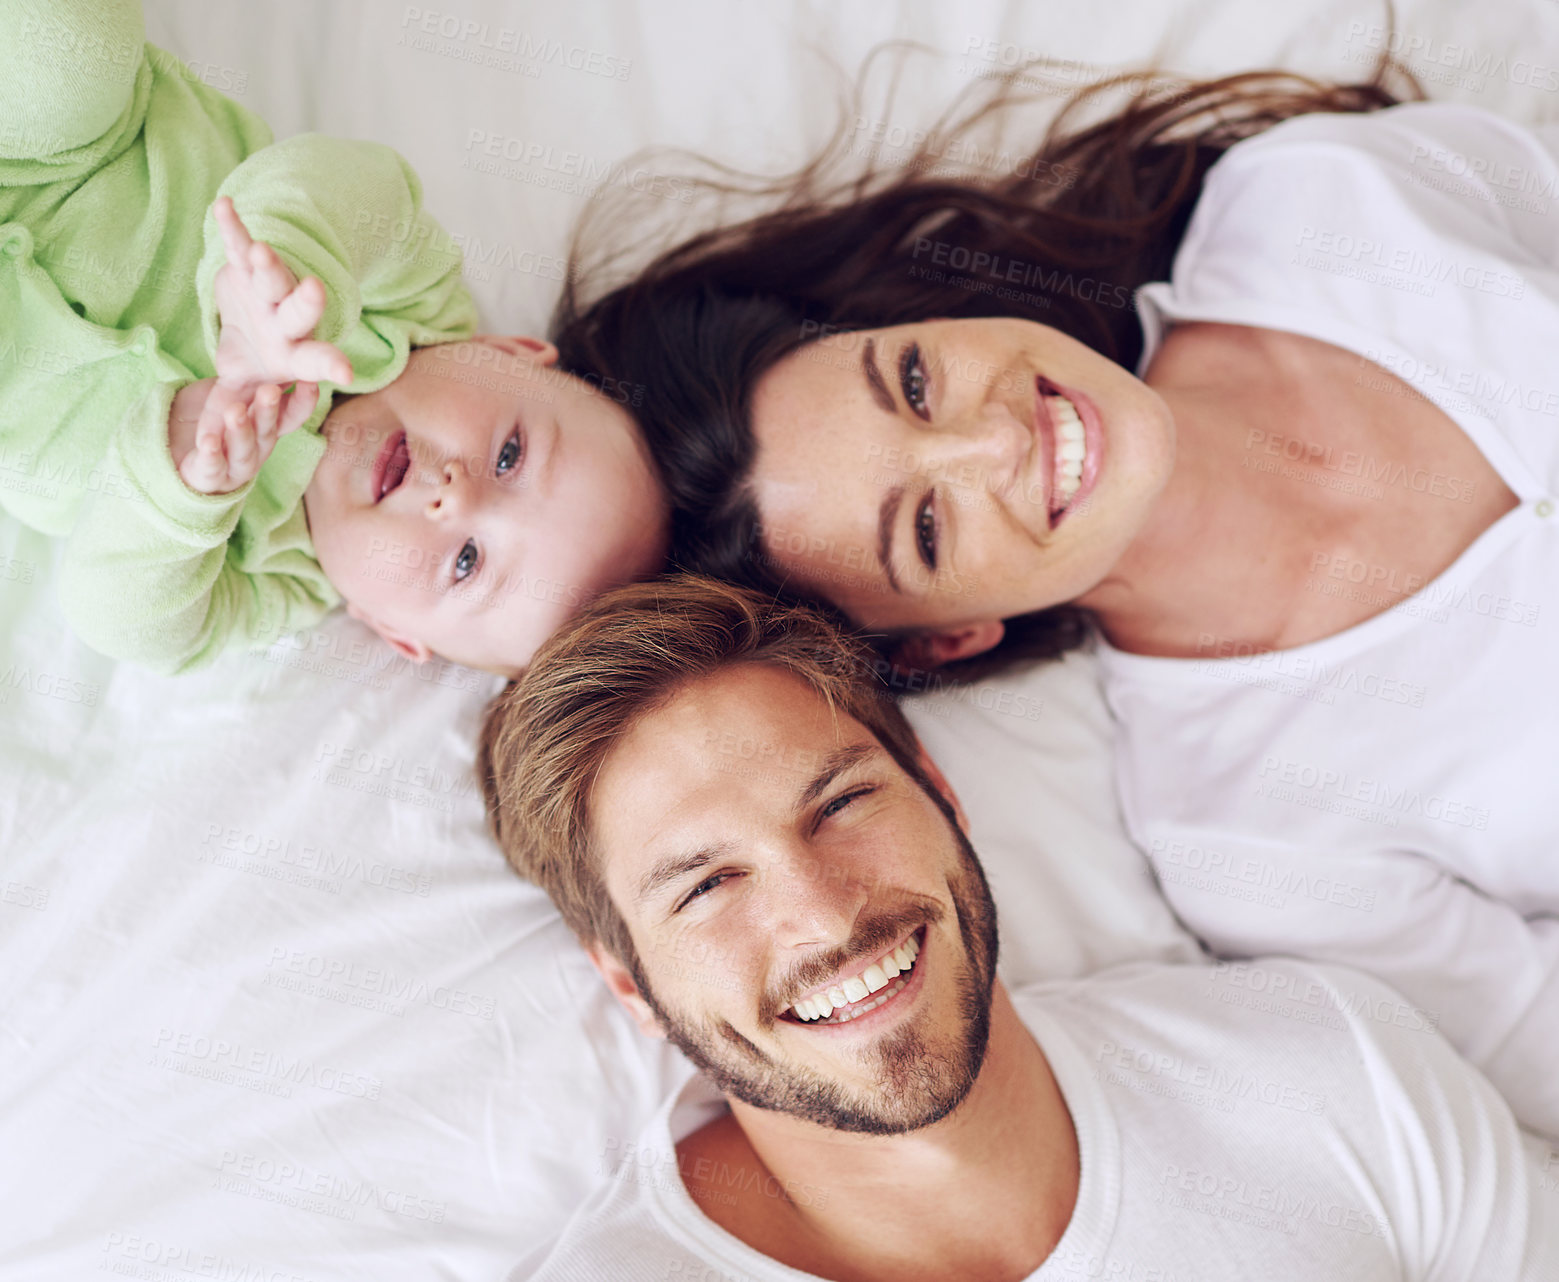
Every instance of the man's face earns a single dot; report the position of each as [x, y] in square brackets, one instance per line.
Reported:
[764, 851]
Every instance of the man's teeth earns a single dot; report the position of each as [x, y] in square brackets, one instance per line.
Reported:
[875, 978]
[1071, 448]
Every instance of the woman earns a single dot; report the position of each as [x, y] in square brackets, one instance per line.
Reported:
[1302, 494]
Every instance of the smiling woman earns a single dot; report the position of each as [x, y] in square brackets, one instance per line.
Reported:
[1300, 494]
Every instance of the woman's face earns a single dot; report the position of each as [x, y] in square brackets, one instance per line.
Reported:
[933, 476]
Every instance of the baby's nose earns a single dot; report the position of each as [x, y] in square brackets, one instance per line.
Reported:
[452, 493]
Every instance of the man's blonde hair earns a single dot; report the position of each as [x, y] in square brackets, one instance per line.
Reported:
[548, 734]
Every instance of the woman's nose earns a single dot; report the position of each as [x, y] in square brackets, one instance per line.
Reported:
[984, 450]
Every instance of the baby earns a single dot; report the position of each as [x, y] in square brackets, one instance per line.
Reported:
[166, 380]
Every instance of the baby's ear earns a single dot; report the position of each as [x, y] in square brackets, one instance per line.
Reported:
[521, 346]
[416, 651]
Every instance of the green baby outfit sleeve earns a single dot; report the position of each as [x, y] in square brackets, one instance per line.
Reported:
[168, 578]
[110, 153]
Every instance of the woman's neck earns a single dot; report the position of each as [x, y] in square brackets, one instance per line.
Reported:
[1232, 556]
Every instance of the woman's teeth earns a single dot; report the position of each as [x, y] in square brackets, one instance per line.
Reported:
[877, 977]
[1071, 449]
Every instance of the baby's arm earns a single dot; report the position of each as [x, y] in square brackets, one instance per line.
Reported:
[220, 433]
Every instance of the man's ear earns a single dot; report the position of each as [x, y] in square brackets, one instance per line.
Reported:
[939, 782]
[933, 649]
[522, 346]
[625, 990]
[416, 651]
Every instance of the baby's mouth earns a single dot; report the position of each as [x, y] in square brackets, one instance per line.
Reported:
[391, 466]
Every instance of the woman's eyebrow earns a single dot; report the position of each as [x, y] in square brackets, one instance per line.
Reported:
[875, 380]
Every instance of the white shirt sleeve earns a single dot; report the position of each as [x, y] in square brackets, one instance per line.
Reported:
[1480, 972]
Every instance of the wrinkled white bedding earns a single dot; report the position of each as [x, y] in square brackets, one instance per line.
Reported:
[271, 1006]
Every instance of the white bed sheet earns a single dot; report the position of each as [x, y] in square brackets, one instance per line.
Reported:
[270, 1004]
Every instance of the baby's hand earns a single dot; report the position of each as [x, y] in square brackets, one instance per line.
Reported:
[267, 317]
[233, 434]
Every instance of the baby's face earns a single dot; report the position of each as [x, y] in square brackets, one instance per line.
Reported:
[480, 499]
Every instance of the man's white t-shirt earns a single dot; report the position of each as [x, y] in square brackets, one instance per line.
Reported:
[1280, 1120]
[1387, 797]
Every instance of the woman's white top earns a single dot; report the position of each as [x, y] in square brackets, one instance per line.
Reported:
[1387, 797]
[1275, 1120]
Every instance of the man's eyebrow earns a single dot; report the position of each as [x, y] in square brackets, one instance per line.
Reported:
[887, 517]
[834, 765]
[674, 867]
[874, 379]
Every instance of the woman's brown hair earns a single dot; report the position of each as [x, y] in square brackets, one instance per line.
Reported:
[1095, 211]
[548, 734]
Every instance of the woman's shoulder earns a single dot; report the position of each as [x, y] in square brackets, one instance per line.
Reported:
[1435, 137]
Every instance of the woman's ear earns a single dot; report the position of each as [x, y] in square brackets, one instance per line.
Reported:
[620, 981]
[935, 649]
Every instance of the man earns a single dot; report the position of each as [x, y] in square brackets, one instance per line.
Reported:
[766, 870]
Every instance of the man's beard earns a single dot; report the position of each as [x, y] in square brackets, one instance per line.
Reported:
[921, 1080]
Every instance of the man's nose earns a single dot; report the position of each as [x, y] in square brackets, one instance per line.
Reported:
[813, 902]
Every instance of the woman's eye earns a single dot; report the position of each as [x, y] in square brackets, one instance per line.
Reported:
[702, 889]
[465, 563]
[913, 380]
[925, 531]
[509, 457]
[839, 803]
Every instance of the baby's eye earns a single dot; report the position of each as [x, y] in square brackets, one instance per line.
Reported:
[465, 563]
[509, 457]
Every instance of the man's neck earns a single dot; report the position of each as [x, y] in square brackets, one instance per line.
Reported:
[986, 1192]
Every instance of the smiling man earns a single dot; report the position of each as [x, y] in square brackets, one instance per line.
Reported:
[767, 870]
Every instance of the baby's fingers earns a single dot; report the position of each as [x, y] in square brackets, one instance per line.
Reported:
[273, 280]
[204, 468]
[300, 404]
[235, 236]
[316, 362]
[299, 312]
[243, 447]
[266, 414]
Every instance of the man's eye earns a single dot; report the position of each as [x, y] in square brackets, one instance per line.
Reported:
[913, 380]
[509, 457]
[465, 563]
[702, 889]
[925, 530]
[839, 803]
